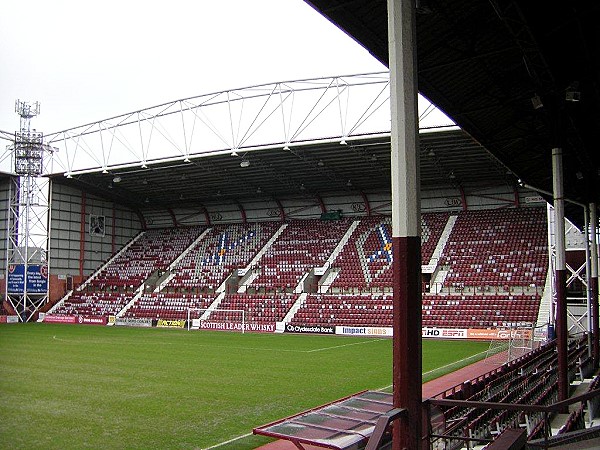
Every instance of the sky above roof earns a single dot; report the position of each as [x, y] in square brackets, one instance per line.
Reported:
[86, 61]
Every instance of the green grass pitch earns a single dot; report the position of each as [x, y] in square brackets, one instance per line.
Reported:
[80, 387]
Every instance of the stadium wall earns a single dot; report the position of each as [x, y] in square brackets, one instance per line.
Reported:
[76, 250]
[350, 204]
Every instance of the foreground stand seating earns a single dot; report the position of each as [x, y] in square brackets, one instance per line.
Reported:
[528, 380]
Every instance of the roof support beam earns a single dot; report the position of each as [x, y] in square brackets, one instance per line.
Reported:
[463, 198]
[560, 276]
[82, 234]
[242, 212]
[367, 204]
[406, 223]
[321, 204]
[142, 219]
[173, 218]
[113, 238]
[206, 216]
[281, 210]
[594, 283]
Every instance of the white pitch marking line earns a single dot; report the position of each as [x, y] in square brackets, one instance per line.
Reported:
[229, 441]
[441, 367]
[343, 345]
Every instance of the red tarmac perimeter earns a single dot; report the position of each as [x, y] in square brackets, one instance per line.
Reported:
[430, 389]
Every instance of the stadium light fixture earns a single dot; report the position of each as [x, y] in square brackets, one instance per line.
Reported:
[343, 142]
[572, 93]
[536, 101]
[104, 170]
[234, 153]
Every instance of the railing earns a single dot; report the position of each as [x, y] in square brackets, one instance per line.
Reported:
[483, 288]
[382, 427]
[546, 410]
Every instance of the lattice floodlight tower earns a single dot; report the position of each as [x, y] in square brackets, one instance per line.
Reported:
[29, 212]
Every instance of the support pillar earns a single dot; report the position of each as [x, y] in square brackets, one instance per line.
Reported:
[588, 289]
[594, 284]
[82, 220]
[560, 275]
[406, 224]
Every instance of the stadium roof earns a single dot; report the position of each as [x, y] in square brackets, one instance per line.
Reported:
[511, 74]
[449, 159]
[345, 424]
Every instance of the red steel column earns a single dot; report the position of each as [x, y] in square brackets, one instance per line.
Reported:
[113, 242]
[594, 284]
[82, 235]
[406, 223]
[560, 274]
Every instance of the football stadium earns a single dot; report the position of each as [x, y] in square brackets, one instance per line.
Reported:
[309, 263]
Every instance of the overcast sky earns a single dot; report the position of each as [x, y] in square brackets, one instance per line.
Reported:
[86, 61]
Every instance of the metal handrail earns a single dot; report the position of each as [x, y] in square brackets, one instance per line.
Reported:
[545, 409]
[382, 425]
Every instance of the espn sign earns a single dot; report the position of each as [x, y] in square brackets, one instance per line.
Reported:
[454, 333]
[447, 333]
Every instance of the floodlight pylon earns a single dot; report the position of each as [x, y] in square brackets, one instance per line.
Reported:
[27, 252]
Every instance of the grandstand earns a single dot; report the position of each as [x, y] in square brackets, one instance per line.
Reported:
[276, 272]
[299, 230]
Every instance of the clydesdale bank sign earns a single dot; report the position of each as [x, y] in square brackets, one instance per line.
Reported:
[314, 329]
